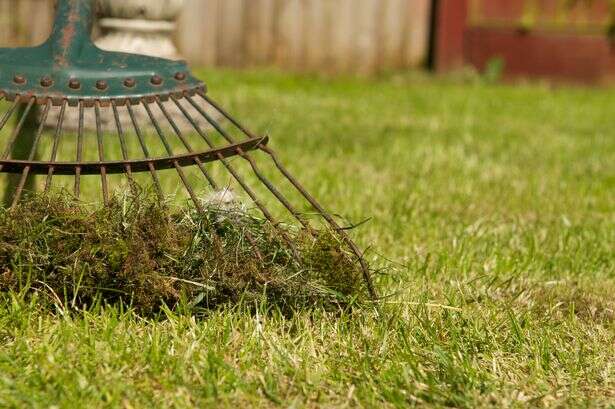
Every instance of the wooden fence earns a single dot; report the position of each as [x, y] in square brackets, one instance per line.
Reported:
[363, 36]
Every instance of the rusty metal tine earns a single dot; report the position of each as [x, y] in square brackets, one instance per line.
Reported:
[225, 114]
[79, 149]
[161, 134]
[180, 135]
[56, 144]
[174, 125]
[316, 205]
[169, 150]
[257, 202]
[32, 154]
[255, 168]
[248, 234]
[7, 115]
[101, 154]
[152, 170]
[41, 128]
[120, 133]
[313, 202]
[230, 168]
[211, 121]
[17, 130]
[241, 182]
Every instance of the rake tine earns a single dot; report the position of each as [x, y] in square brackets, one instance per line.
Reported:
[79, 150]
[233, 172]
[17, 130]
[224, 113]
[152, 170]
[26, 170]
[179, 134]
[7, 115]
[169, 150]
[212, 182]
[313, 202]
[239, 180]
[40, 130]
[101, 154]
[120, 133]
[316, 205]
[56, 144]
[255, 168]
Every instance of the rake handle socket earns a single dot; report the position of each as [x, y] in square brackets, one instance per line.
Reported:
[72, 30]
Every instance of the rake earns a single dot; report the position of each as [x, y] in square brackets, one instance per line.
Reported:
[68, 73]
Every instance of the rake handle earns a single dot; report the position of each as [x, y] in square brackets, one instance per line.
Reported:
[71, 31]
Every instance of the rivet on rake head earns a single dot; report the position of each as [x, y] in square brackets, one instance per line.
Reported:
[19, 79]
[101, 85]
[74, 83]
[46, 82]
[130, 82]
[180, 76]
[156, 80]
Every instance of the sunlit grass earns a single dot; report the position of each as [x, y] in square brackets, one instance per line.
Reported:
[491, 210]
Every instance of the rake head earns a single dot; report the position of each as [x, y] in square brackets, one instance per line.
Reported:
[69, 79]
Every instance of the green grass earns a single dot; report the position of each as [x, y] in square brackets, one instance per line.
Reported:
[492, 216]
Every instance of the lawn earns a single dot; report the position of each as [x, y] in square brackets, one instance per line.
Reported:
[491, 220]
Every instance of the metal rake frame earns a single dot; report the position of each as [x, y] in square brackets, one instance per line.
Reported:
[69, 75]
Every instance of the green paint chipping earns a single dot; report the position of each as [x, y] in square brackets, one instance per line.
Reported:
[145, 254]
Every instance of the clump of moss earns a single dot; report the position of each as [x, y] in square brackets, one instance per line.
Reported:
[141, 252]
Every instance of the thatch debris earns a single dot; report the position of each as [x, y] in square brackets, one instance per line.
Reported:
[147, 254]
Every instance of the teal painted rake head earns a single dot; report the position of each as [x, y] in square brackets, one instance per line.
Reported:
[69, 79]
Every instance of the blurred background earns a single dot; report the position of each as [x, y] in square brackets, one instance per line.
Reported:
[562, 40]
